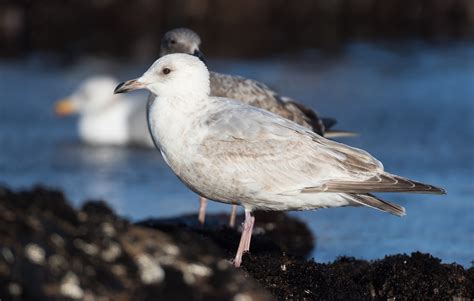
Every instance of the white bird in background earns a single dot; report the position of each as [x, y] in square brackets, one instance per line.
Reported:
[248, 91]
[105, 118]
[231, 152]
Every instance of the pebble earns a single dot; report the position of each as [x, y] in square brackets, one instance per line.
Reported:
[150, 271]
[89, 249]
[242, 297]
[108, 229]
[70, 287]
[8, 255]
[112, 252]
[57, 240]
[14, 289]
[35, 253]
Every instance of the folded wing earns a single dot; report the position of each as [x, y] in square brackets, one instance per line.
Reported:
[279, 155]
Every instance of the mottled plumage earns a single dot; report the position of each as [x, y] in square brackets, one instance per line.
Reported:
[256, 94]
[279, 165]
[248, 91]
[234, 153]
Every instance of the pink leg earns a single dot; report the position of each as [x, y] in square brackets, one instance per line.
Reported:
[202, 210]
[244, 244]
[233, 214]
[249, 237]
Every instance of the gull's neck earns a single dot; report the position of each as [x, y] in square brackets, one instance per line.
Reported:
[172, 120]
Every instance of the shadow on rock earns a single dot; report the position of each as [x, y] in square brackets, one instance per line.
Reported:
[274, 232]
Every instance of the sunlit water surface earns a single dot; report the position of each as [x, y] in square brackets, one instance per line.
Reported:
[413, 106]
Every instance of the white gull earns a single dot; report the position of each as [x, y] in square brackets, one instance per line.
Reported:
[105, 118]
[234, 153]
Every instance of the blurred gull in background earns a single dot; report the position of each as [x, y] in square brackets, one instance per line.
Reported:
[105, 118]
[234, 153]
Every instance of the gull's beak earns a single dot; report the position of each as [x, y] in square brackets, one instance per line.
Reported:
[129, 85]
[64, 107]
[197, 53]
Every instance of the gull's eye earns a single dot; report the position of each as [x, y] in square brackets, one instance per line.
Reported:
[173, 41]
[166, 70]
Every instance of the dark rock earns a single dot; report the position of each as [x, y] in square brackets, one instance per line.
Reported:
[241, 28]
[50, 251]
[398, 277]
[282, 269]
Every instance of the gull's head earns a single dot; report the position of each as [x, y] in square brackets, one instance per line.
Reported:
[92, 96]
[172, 75]
[181, 40]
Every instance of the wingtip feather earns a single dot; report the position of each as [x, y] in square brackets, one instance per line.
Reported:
[441, 191]
[374, 202]
[340, 134]
[403, 212]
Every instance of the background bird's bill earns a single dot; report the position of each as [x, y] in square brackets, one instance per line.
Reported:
[64, 107]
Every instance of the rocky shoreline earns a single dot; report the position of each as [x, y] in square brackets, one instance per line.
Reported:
[247, 28]
[51, 251]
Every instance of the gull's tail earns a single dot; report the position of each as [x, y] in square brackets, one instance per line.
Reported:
[320, 125]
[330, 133]
[336, 134]
[328, 122]
[372, 201]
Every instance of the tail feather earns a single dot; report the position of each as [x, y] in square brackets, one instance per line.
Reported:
[336, 134]
[320, 125]
[372, 201]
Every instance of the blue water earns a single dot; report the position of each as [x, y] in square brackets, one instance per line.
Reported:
[413, 105]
